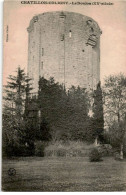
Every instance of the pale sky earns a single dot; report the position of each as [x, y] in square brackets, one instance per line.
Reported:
[111, 19]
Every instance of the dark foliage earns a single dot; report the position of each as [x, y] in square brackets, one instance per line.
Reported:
[43, 133]
[65, 111]
[40, 148]
[115, 110]
[98, 117]
[55, 114]
[14, 138]
[95, 155]
[14, 129]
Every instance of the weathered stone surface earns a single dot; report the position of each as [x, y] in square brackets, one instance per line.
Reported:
[66, 46]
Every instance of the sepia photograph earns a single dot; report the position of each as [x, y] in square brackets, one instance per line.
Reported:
[64, 96]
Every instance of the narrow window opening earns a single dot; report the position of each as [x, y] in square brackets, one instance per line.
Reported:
[62, 15]
[92, 30]
[33, 44]
[89, 22]
[42, 65]
[70, 33]
[42, 51]
[62, 37]
[35, 19]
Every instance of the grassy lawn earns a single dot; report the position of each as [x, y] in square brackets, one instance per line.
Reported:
[64, 174]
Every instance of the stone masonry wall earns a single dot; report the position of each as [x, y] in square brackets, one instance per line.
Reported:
[66, 46]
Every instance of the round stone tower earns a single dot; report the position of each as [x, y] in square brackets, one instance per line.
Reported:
[66, 46]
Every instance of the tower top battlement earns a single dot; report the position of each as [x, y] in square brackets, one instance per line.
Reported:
[91, 23]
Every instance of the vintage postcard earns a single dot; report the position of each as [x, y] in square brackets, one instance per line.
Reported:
[64, 96]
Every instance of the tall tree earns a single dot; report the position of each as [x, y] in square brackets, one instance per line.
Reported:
[65, 111]
[115, 98]
[98, 117]
[15, 94]
[115, 107]
[28, 89]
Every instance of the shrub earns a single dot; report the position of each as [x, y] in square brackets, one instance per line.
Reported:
[48, 153]
[67, 149]
[95, 155]
[14, 149]
[105, 149]
[40, 148]
[117, 156]
[61, 152]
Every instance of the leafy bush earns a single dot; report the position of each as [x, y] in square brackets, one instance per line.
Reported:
[61, 152]
[40, 148]
[17, 150]
[67, 149]
[117, 156]
[105, 149]
[95, 155]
